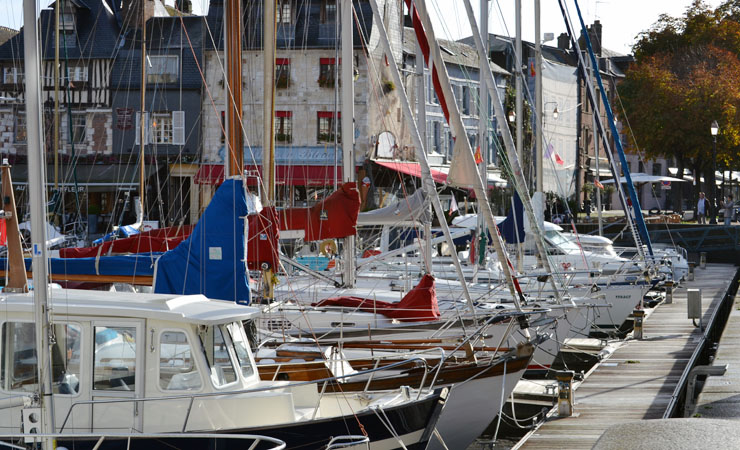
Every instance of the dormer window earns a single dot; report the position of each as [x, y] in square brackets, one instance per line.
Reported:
[285, 12]
[329, 11]
[162, 69]
[67, 27]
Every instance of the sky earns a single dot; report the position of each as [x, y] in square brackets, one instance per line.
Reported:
[622, 20]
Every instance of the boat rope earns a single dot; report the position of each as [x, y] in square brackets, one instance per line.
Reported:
[388, 425]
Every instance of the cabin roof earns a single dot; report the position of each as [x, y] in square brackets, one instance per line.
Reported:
[195, 309]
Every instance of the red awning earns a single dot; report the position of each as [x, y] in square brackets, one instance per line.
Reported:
[299, 175]
[413, 169]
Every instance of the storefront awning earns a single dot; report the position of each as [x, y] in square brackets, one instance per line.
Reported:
[297, 175]
[413, 169]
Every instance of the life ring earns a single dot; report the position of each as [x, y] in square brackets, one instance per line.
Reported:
[654, 211]
[328, 247]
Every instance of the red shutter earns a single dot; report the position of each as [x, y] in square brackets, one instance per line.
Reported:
[283, 113]
[323, 61]
[282, 61]
[328, 114]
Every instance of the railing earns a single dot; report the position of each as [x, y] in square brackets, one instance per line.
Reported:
[252, 440]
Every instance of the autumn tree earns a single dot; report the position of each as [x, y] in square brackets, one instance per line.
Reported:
[685, 76]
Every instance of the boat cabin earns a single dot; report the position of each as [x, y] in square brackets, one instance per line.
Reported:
[116, 346]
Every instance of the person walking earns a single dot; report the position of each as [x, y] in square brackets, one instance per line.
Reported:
[729, 206]
[702, 208]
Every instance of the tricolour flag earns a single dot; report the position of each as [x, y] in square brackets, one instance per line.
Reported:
[478, 155]
[598, 184]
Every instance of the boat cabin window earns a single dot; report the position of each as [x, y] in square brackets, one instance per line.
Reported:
[241, 348]
[18, 371]
[217, 355]
[177, 369]
[115, 358]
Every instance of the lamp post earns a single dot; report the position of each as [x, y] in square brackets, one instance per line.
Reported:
[714, 130]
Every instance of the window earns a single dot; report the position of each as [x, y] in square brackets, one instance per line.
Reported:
[78, 128]
[114, 366]
[241, 349]
[284, 12]
[18, 369]
[325, 129]
[166, 128]
[161, 128]
[13, 75]
[20, 127]
[217, 354]
[163, 69]
[328, 11]
[223, 127]
[657, 169]
[177, 369]
[282, 73]
[284, 126]
[76, 73]
[466, 100]
[327, 72]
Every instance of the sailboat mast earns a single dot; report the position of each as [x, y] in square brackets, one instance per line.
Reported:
[539, 120]
[37, 201]
[348, 128]
[55, 136]
[483, 119]
[143, 128]
[421, 124]
[268, 146]
[233, 50]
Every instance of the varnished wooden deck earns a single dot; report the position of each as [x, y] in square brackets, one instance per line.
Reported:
[638, 380]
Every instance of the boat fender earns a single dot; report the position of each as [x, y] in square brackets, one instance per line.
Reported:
[328, 247]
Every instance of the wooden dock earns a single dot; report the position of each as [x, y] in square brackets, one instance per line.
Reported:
[638, 381]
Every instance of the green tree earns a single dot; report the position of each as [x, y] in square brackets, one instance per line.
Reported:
[685, 76]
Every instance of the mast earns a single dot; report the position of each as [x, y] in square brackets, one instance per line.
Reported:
[538, 142]
[233, 50]
[37, 201]
[55, 136]
[484, 120]
[596, 156]
[348, 128]
[426, 174]
[268, 145]
[516, 169]
[421, 124]
[143, 125]
[518, 108]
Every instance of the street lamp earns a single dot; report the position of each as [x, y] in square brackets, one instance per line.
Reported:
[512, 116]
[714, 129]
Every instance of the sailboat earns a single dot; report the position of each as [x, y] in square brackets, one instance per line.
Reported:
[76, 358]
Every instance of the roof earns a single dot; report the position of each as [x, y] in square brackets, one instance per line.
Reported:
[193, 309]
[97, 34]
[453, 52]
[307, 30]
[6, 33]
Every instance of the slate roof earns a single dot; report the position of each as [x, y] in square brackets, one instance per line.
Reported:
[97, 33]
[307, 30]
[453, 52]
[6, 33]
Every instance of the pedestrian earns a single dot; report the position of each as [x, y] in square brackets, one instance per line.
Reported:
[729, 206]
[702, 208]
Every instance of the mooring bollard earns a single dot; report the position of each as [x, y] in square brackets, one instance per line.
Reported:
[692, 267]
[668, 292]
[639, 315]
[703, 260]
[565, 392]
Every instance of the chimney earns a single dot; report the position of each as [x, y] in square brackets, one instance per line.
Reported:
[131, 12]
[564, 41]
[594, 33]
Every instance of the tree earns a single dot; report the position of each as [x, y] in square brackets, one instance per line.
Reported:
[685, 76]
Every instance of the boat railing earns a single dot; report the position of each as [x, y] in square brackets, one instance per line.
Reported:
[251, 441]
[192, 397]
[349, 441]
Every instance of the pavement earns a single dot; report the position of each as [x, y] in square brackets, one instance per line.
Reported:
[674, 434]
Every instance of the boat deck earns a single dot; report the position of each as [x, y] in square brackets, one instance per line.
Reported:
[638, 381]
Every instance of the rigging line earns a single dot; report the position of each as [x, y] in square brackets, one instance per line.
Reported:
[371, 64]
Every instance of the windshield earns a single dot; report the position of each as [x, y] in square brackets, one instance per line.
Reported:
[241, 348]
[561, 241]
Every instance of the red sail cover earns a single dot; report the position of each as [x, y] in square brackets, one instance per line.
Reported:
[334, 217]
[159, 240]
[419, 304]
[262, 242]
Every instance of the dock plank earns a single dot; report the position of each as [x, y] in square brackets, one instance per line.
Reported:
[641, 383]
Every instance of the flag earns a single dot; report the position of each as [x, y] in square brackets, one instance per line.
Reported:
[478, 156]
[598, 184]
[453, 205]
[550, 153]
[558, 159]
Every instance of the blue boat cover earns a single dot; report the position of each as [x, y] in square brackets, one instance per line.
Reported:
[122, 232]
[128, 265]
[512, 228]
[211, 261]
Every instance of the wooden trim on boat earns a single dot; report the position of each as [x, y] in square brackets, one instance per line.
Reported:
[132, 279]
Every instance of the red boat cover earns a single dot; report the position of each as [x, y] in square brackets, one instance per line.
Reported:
[262, 243]
[159, 240]
[334, 217]
[419, 304]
